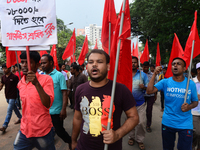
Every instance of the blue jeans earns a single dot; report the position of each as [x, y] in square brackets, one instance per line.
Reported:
[42, 143]
[11, 106]
[185, 137]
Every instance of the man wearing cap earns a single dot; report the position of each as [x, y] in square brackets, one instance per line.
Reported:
[177, 115]
[196, 112]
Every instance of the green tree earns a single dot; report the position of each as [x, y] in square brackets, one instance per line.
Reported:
[158, 20]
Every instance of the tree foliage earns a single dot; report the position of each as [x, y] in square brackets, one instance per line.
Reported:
[158, 20]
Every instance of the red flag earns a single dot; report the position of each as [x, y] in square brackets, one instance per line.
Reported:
[109, 16]
[96, 46]
[71, 47]
[145, 54]
[177, 51]
[54, 55]
[124, 73]
[193, 36]
[84, 51]
[11, 57]
[71, 59]
[135, 51]
[42, 53]
[158, 58]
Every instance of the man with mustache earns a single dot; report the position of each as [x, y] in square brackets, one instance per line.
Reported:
[177, 117]
[76, 79]
[93, 104]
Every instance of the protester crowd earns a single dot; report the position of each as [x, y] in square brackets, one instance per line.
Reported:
[46, 92]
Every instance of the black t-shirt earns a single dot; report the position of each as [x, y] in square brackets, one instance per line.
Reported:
[94, 104]
[10, 85]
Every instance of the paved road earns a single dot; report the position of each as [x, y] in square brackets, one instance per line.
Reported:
[152, 140]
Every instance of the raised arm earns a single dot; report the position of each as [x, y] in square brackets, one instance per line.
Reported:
[45, 98]
[151, 88]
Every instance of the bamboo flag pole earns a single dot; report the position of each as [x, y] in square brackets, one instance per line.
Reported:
[139, 62]
[18, 65]
[189, 74]
[28, 58]
[109, 38]
[115, 73]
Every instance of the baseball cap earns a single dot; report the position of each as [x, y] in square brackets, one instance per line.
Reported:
[198, 65]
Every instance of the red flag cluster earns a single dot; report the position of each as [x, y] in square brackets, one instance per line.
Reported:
[11, 57]
[145, 54]
[124, 73]
[177, 50]
[109, 17]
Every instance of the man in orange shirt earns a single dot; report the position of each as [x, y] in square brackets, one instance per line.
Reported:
[37, 94]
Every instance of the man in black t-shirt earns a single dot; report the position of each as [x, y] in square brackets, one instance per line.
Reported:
[10, 81]
[92, 103]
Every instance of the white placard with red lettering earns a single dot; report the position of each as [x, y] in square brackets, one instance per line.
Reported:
[28, 22]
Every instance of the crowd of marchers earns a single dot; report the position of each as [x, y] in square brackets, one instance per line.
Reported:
[43, 94]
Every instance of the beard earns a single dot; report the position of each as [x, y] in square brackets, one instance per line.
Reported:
[100, 78]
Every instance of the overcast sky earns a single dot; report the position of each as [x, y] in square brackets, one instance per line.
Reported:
[82, 12]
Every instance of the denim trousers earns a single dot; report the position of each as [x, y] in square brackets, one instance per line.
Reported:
[42, 143]
[11, 106]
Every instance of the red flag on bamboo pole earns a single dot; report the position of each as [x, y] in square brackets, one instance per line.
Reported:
[158, 58]
[72, 60]
[193, 36]
[109, 16]
[84, 51]
[71, 47]
[54, 55]
[96, 45]
[124, 73]
[11, 57]
[42, 53]
[135, 50]
[177, 51]
[145, 54]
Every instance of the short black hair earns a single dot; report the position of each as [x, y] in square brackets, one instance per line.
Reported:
[146, 63]
[33, 55]
[152, 66]
[165, 68]
[75, 66]
[17, 66]
[99, 51]
[50, 58]
[180, 59]
[80, 68]
[4, 65]
[83, 65]
[134, 57]
[60, 65]
[194, 70]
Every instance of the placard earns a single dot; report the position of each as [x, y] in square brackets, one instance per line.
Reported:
[28, 22]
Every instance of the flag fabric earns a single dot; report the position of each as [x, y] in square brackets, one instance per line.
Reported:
[135, 51]
[109, 16]
[71, 59]
[11, 57]
[84, 51]
[96, 45]
[145, 54]
[54, 55]
[158, 58]
[42, 53]
[193, 36]
[124, 73]
[177, 51]
[71, 47]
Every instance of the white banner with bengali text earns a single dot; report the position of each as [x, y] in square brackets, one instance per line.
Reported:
[28, 22]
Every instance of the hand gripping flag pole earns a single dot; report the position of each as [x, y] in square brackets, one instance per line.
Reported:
[115, 73]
